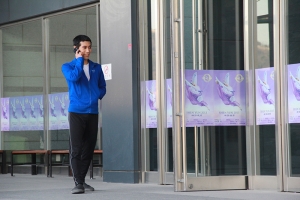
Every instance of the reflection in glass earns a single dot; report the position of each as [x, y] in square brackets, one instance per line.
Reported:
[264, 34]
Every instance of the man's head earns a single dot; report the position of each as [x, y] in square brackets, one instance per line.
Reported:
[84, 44]
[81, 38]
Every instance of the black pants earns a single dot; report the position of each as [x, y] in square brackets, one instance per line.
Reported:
[83, 136]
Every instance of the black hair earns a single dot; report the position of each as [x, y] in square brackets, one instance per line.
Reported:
[81, 38]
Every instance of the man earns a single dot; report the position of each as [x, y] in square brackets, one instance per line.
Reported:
[86, 85]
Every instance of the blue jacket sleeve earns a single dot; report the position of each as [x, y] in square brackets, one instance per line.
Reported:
[73, 73]
[102, 84]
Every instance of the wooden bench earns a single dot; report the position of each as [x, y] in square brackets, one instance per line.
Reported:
[33, 154]
[58, 152]
[66, 152]
[3, 161]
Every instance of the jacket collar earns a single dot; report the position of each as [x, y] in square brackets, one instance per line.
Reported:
[91, 63]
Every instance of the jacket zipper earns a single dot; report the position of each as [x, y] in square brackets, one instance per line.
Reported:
[90, 90]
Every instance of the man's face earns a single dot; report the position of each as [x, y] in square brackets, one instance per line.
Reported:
[85, 49]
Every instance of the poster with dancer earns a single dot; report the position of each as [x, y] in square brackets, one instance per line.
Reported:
[294, 93]
[58, 111]
[265, 98]
[34, 112]
[26, 113]
[169, 102]
[199, 99]
[215, 98]
[151, 106]
[17, 113]
[230, 97]
[4, 114]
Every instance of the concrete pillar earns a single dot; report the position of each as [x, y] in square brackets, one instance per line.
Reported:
[120, 106]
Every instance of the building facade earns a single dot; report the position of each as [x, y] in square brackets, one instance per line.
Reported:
[201, 94]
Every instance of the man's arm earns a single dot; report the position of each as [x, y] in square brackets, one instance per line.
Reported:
[73, 74]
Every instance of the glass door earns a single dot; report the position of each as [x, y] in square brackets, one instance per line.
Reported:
[265, 135]
[290, 34]
[156, 92]
[209, 105]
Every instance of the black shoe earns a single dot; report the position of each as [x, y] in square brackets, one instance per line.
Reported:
[78, 189]
[88, 187]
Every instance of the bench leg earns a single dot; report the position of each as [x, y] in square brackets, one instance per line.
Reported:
[47, 164]
[4, 163]
[101, 170]
[33, 165]
[50, 165]
[3, 166]
[12, 165]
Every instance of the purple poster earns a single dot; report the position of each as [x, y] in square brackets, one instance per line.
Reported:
[230, 97]
[151, 108]
[15, 113]
[199, 98]
[26, 113]
[35, 112]
[265, 101]
[215, 98]
[58, 111]
[4, 114]
[251, 93]
[169, 103]
[294, 93]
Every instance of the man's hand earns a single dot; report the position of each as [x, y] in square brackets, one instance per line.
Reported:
[78, 54]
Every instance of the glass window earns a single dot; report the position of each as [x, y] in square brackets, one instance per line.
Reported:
[62, 29]
[24, 72]
[23, 75]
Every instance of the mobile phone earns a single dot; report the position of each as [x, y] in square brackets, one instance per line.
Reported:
[75, 50]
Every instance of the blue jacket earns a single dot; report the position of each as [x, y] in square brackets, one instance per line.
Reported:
[84, 94]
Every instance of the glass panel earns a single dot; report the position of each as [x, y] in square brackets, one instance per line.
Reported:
[150, 78]
[23, 75]
[191, 62]
[293, 61]
[224, 147]
[63, 28]
[227, 144]
[151, 85]
[265, 133]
